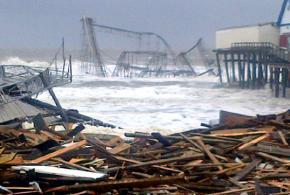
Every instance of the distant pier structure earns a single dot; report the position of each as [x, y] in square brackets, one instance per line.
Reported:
[252, 65]
[251, 56]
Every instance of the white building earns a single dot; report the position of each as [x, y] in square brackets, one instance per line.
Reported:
[268, 32]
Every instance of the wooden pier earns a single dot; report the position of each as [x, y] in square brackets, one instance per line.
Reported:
[253, 65]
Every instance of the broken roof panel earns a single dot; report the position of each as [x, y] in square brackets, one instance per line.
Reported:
[18, 109]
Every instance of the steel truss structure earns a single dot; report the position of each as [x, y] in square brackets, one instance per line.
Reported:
[140, 64]
[200, 51]
[156, 60]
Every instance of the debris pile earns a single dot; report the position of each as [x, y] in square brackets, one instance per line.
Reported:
[240, 155]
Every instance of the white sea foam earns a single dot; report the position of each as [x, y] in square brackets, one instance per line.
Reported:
[159, 104]
[18, 61]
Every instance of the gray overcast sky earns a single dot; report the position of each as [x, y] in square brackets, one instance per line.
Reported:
[42, 23]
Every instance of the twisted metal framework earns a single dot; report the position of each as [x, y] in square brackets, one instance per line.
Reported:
[154, 59]
[92, 61]
[154, 56]
[140, 64]
[141, 37]
[19, 81]
[206, 59]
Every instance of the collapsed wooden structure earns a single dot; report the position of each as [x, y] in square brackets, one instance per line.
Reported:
[253, 65]
[241, 154]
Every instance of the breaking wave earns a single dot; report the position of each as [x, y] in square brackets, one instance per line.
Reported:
[164, 104]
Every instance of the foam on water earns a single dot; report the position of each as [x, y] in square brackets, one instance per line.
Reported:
[18, 61]
[164, 104]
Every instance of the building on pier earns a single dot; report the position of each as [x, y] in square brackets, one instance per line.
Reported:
[254, 55]
[267, 32]
[250, 57]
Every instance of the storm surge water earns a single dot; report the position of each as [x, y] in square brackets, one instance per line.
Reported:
[158, 104]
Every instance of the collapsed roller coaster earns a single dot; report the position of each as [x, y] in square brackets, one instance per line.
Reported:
[154, 59]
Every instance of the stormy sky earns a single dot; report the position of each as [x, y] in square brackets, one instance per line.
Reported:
[42, 23]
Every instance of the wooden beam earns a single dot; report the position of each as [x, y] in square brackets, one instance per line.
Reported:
[120, 148]
[274, 158]
[240, 134]
[283, 139]
[235, 191]
[245, 171]
[253, 142]
[59, 152]
[219, 67]
[209, 154]
[157, 162]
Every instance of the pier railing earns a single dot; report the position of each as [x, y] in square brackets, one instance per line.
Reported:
[275, 51]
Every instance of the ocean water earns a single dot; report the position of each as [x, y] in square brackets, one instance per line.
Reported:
[158, 104]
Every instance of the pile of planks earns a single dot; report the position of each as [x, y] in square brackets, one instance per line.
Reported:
[241, 155]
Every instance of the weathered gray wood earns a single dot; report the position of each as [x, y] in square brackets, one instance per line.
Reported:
[245, 171]
[270, 149]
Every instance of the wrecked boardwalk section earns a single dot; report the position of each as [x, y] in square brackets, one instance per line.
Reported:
[241, 155]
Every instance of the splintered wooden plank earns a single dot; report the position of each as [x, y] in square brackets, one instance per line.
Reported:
[114, 141]
[235, 191]
[253, 142]
[245, 171]
[271, 149]
[190, 141]
[193, 163]
[243, 131]
[104, 186]
[282, 185]
[240, 134]
[101, 151]
[120, 148]
[59, 152]
[279, 124]
[274, 158]
[155, 166]
[208, 153]
[225, 131]
[283, 139]
[70, 164]
[158, 162]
